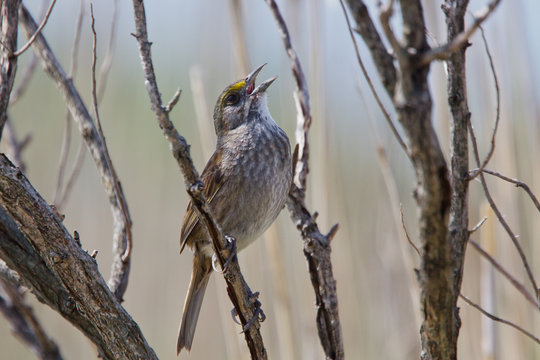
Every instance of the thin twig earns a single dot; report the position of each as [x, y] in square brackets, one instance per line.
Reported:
[386, 12]
[14, 146]
[406, 232]
[73, 175]
[516, 182]
[444, 51]
[498, 319]
[501, 219]
[123, 238]
[66, 140]
[37, 32]
[477, 226]
[106, 65]
[26, 76]
[370, 83]
[505, 273]
[301, 98]
[25, 324]
[498, 108]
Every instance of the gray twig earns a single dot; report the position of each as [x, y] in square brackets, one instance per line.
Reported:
[498, 108]
[66, 140]
[24, 323]
[498, 319]
[516, 182]
[505, 273]
[443, 52]
[501, 218]
[37, 32]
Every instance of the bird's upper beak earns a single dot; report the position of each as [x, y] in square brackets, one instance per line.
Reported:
[250, 81]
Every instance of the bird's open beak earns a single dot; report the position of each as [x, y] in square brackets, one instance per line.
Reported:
[250, 81]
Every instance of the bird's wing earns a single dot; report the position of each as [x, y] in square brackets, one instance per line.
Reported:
[213, 180]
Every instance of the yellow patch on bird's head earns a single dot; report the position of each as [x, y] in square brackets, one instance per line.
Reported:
[238, 86]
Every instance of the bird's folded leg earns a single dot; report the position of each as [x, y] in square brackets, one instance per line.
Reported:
[229, 252]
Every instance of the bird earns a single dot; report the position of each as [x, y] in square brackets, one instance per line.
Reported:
[246, 184]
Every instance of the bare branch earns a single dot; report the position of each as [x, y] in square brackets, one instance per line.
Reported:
[370, 83]
[443, 52]
[8, 62]
[498, 319]
[14, 146]
[90, 135]
[37, 32]
[498, 108]
[516, 182]
[303, 122]
[35, 244]
[123, 238]
[316, 245]
[381, 57]
[238, 290]
[501, 219]
[505, 273]
[386, 12]
[24, 323]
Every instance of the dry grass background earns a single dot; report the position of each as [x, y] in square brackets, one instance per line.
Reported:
[378, 304]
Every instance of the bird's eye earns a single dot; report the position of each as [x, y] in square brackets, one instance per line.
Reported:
[232, 99]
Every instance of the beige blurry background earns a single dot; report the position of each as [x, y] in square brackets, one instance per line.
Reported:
[376, 287]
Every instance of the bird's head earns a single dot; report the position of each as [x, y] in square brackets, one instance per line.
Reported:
[238, 101]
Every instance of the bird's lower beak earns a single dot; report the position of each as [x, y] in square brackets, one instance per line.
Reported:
[263, 86]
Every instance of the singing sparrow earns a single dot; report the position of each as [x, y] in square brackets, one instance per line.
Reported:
[246, 183]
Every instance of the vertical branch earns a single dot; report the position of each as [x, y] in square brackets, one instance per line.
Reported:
[316, 245]
[458, 233]
[9, 18]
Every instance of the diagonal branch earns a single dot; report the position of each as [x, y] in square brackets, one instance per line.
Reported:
[382, 58]
[237, 288]
[516, 182]
[122, 224]
[37, 32]
[35, 244]
[500, 217]
[498, 319]
[460, 40]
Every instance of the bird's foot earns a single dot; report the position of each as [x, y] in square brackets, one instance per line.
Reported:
[258, 314]
[229, 251]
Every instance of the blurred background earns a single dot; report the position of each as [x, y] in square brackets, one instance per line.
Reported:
[201, 47]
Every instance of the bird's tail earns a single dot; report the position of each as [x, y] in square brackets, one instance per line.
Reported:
[202, 268]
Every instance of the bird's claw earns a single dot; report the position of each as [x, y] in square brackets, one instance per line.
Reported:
[257, 316]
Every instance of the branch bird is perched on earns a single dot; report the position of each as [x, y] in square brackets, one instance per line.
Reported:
[246, 183]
